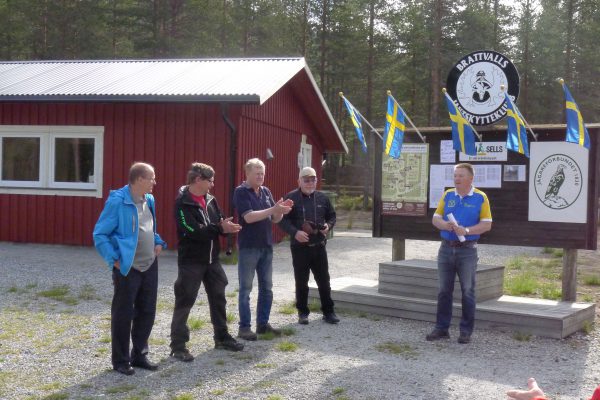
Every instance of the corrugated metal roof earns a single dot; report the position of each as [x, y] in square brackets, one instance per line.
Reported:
[238, 80]
[234, 80]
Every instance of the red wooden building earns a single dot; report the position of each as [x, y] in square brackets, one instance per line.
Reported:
[69, 130]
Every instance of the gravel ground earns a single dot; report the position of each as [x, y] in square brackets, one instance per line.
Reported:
[60, 348]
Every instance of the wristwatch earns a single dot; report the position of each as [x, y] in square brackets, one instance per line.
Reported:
[467, 230]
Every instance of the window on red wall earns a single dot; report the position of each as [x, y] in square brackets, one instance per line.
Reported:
[51, 160]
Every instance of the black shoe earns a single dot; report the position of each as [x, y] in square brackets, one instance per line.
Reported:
[124, 369]
[144, 363]
[464, 338]
[228, 343]
[437, 334]
[182, 355]
[331, 318]
[267, 328]
[246, 334]
[303, 319]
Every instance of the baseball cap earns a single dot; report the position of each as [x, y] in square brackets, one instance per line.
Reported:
[307, 171]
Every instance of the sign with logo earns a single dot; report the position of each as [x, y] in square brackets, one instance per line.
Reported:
[474, 84]
[558, 182]
[487, 151]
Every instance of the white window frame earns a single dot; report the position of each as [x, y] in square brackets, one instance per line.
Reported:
[46, 184]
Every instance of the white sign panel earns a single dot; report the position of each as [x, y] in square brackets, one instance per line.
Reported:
[487, 151]
[441, 177]
[447, 152]
[558, 182]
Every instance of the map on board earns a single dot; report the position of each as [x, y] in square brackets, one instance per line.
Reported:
[404, 181]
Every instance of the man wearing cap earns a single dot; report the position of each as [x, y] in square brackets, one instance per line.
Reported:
[311, 218]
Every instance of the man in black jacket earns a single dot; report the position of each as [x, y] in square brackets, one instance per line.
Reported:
[311, 218]
[199, 224]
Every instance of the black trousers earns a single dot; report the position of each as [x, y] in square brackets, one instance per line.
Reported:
[304, 260]
[189, 278]
[132, 313]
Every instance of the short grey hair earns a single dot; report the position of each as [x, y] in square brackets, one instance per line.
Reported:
[252, 163]
[139, 170]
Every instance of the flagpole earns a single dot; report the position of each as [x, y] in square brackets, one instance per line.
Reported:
[389, 93]
[521, 115]
[363, 118]
[450, 98]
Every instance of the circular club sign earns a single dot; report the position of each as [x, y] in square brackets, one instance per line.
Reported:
[475, 81]
[558, 181]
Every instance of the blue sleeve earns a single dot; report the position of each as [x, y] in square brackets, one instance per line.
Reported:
[241, 202]
[105, 227]
[157, 239]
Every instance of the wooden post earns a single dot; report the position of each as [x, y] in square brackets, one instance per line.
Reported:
[569, 278]
[398, 249]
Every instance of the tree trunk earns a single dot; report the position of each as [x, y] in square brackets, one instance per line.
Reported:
[436, 45]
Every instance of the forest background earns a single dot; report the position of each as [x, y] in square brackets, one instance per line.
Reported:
[360, 47]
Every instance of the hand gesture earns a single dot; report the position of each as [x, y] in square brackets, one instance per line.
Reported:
[229, 227]
[532, 392]
[301, 236]
[157, 249]
[283, 207]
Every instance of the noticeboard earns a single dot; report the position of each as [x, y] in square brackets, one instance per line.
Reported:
[550, 199]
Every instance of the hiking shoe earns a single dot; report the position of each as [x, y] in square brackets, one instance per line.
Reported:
[228, 343]
[437, 334]
[182, 355]
[267, 328]
[464, 338]
[246, 334]
[303, 319]
[331, 318]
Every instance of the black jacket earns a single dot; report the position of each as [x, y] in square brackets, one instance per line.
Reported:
[198, 230]
[304, 210]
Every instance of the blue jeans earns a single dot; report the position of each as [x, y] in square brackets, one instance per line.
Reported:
[258, 259]
[453, 261]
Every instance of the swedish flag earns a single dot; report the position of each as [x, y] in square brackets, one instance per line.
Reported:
[516, 139]
[463, 137]
[356, 121]
[576, 130]
[394, 129]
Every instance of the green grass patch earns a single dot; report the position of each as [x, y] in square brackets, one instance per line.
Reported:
[551, 291]
[59, 293]
[588, 327]
[274, 397]
[157, 341]
[557, 253]
[314, 306]
[230, 317]
[196, 323]
[288, 331]
[287, 346]
[521, 336]
[591, 280]
[105, 339]
[403, 349]
[164, 306]
[264, 384]
[120, 389]
[265, 365]
[587, 298]
[220, 362]
[266, 336]
[217, 392]
[56, 396]
[184, 396]
[51, 386]
[288, 308]
[338, 390]
[87, 292]
[231, 295]
[523, 283]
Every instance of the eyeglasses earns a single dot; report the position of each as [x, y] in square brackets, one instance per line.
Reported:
[150, 179]
[309, 179]
[210, 180]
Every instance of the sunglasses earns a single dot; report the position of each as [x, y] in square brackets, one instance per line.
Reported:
[309, 179]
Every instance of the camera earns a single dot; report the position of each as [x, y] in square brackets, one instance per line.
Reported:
[312, 228]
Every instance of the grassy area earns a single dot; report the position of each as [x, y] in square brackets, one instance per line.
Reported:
[541, 277]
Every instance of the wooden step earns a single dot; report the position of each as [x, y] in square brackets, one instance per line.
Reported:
[546, 318]
[419, 278]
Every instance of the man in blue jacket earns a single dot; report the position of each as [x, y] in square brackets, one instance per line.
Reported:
[125, 236]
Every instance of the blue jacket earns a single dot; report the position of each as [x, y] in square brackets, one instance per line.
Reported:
[116, 232]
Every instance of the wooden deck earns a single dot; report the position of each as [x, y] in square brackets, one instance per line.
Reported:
[547, 318]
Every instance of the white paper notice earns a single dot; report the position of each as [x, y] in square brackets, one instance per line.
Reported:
[487, 176]
[515, 173]
[453, 220]
[447, 153]
[440, 178]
